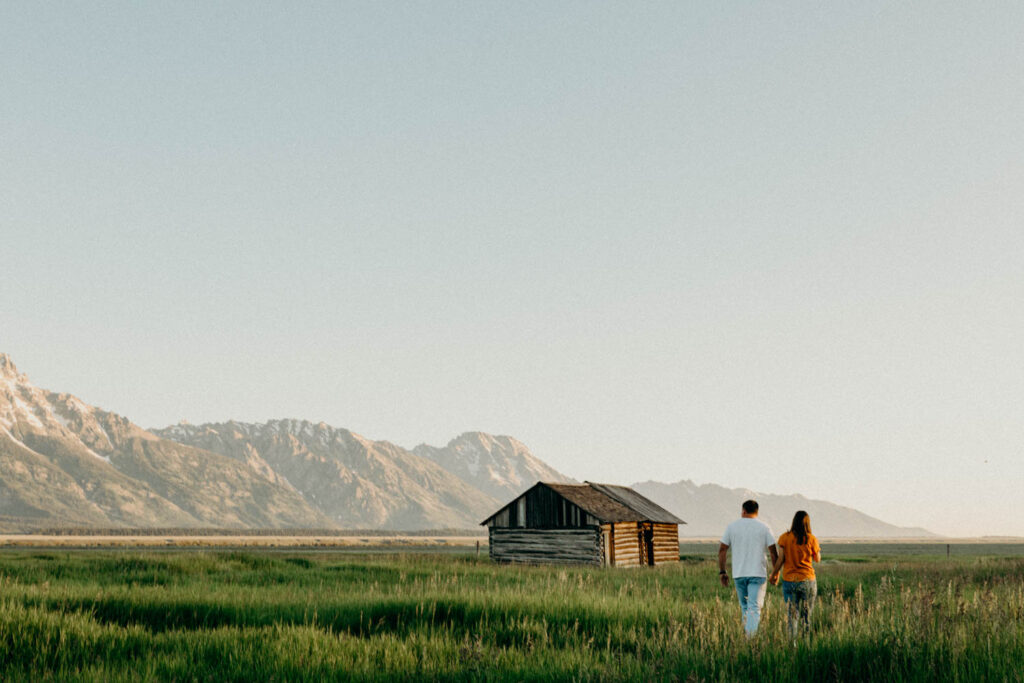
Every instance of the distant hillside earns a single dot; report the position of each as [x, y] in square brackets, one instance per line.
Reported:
[708, 508]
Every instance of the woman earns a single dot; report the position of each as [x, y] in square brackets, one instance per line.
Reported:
[798, 548]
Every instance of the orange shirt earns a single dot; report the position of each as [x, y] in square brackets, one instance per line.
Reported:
[797, 566]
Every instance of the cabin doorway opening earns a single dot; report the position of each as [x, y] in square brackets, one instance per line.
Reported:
[647, 545]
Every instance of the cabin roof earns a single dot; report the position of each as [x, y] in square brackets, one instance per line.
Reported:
[608, 503]
[651, 511]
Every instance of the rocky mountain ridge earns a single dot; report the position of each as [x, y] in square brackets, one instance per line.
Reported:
[64, 462]
[500, 466]
[358, 482]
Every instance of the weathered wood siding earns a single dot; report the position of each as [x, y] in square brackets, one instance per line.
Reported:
[626, 544]
[500, 519]
[666, 543]
[544, 509]
[580, 545]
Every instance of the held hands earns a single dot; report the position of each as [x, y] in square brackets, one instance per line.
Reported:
[774, 579]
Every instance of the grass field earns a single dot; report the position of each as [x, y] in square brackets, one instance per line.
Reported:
[242, 616]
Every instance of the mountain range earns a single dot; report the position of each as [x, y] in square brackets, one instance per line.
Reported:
[707, 508]
[66, 463]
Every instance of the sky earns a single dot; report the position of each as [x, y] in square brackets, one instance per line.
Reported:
[763, 245]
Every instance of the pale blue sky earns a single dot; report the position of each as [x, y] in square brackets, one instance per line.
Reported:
[762, 245]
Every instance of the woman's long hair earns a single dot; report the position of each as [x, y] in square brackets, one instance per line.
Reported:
[801, 527]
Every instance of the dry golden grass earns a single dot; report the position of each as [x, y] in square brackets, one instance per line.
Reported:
[240, 541]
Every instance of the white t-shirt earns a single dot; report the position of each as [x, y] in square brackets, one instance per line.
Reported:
[747, 538]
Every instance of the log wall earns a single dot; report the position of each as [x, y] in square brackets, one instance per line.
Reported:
[581, 545]
[626, 542]
[666, 543]
[637, 544]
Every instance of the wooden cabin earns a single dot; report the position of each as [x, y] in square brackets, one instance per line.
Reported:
[587, 523]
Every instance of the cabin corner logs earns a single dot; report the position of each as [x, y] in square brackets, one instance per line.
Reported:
[593, 524]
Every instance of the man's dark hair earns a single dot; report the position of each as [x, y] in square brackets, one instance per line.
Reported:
[750, 506]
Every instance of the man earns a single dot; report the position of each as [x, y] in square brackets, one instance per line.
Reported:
[748, 537]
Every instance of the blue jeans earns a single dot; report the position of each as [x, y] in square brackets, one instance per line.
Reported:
[751, 590]
[799, 597]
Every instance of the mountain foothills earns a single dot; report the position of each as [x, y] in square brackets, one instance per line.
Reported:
[66, 463]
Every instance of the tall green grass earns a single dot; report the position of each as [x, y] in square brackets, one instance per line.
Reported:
[250, 616]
